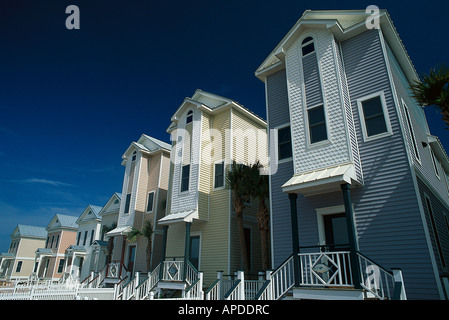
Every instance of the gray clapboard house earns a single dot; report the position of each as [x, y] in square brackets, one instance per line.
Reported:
[359, 185]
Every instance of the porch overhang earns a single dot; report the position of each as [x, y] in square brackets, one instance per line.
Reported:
[182, 216]
[73, 249]
[42, 252]
[119, 231]
[321, 181]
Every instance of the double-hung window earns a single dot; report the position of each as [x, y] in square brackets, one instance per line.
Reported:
[150, 202]
[185, 177]
[374, 116]
[284, 143]
[219, 175]
[317, 124]
[127, 202]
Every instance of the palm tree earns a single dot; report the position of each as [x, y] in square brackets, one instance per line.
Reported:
[259, 189]
[236, 181]
[147, 232]
[106, 229]
[433, 89]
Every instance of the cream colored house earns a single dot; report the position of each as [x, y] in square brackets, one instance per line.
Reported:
[208, 132]
[18, 262]
[143, 198]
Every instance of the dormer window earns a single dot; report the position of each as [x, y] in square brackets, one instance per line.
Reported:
[134, 156]
[307, 46]
[189, 117]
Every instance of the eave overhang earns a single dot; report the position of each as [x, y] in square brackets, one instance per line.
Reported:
[275, 60]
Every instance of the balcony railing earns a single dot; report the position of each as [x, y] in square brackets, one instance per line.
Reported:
[333, 269]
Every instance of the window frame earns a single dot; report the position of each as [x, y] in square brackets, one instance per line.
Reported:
[278, 159]
[127, 204]
[389, 132]
[182, 178]
[61, 266]
[306, 44]
[153, 192]
[19, 266]
[408, 120]
[308, 131]
[215, 187]
[189, 117]
[435, 162]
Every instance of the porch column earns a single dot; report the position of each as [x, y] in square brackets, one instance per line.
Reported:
[164, 249]
[295, 237]
[186, 249]
[352, 235]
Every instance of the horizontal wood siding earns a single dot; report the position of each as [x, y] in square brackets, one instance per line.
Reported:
[388, 218]
[278, 115]
[440, 212]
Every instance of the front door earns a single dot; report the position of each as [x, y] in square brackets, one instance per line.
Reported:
[336, 232]
[194, 253]
[131, 258]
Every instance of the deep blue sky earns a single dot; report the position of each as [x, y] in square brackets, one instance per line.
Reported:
[71, 101]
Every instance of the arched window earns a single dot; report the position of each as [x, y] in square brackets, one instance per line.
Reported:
[307, 46]
[189, 116]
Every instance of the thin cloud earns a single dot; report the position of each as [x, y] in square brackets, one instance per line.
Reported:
[46, 181]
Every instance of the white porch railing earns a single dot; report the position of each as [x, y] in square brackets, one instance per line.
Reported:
[195, 290]
[333, 269]
[144, 289]
[278, 282]
[379, 282]
[326, 269]
[237, 291]
[173, 270]
[56, 292]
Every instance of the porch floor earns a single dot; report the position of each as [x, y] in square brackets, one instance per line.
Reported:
[312, 293]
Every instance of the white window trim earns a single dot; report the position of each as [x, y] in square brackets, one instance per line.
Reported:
[180, 182]
[409, 124]
[276, 143]
[320, 213]
[383, 102]
[224, 175]
[154, 198]
[435, 162]
[321, 143]
[306, 44]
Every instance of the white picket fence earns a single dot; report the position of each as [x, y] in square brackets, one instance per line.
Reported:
[56, 292]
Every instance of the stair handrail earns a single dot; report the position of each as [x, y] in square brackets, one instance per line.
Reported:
[194, 291]
[379, 281]
[143, 290]
[119, 288]
[278, 283]
[191, 273]
[214, 291]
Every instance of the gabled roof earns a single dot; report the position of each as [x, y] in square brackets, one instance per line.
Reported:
[343, 24]
[29, 231]
[75, 248]
[146, 144]
[111, 202]
[210, 103]
[90, 213]
[62, 221]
